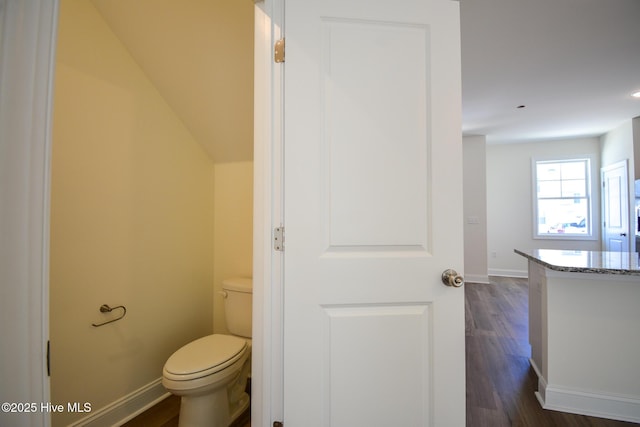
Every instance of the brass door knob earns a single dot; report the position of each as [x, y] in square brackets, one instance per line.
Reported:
[451, 278]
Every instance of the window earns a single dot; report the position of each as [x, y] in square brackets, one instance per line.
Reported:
[562, 198]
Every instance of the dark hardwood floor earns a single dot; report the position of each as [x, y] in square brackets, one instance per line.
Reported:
[166, 413]
[500, 381]
[163, 414]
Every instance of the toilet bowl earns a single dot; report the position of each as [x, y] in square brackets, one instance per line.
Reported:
[210, 374]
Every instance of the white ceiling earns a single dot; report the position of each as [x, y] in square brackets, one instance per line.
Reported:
[573, 64]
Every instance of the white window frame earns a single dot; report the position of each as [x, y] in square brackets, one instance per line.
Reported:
[591, 184]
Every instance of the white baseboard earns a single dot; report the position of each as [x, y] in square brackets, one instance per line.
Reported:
[508, 273]
[476, 278]
[612, 407]
[126, 408]
[535, 368]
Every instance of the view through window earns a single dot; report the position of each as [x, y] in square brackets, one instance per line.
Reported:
[562, 198]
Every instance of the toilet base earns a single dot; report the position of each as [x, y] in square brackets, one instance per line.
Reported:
[239, 407]
[211, 410]
[220, 408]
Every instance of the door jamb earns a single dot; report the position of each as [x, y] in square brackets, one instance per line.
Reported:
[27, 61]
[267, 366]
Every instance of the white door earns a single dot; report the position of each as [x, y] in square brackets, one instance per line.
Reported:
[615, 207]
[372, 214]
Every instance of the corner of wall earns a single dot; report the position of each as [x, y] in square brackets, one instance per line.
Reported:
[635, 135]
[474, 168]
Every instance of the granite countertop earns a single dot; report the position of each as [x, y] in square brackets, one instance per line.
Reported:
[598, 262]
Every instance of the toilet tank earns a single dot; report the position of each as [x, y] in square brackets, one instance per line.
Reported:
[238, 294]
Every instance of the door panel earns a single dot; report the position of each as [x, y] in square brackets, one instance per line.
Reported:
[372, 197]
[357, 58]
[349, 384]
[615, 202]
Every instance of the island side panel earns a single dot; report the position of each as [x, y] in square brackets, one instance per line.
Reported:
[593, 345]
[594, 333]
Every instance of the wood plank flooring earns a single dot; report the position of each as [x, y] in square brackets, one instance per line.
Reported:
[500, 382]
[166, 414]
[163, 414]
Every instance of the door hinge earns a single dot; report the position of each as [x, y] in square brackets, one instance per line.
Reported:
[278, 51]
[278, 424]
[278, 238]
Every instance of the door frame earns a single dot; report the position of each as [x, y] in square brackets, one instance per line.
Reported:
[27, 61]
[267, 404]
[624, 165]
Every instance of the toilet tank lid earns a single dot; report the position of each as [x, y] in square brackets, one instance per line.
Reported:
[238, 284]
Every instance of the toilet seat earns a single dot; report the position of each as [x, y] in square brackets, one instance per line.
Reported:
[204, 357]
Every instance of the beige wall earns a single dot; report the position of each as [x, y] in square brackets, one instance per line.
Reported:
[233, 230]
[132, 221]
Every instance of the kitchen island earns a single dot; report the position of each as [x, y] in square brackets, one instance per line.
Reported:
[584, 331]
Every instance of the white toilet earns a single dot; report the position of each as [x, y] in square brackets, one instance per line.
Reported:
[210, 374]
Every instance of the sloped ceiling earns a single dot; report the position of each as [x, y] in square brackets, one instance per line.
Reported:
[199, 55]
[572, 64]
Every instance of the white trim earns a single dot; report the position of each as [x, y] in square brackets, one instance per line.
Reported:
[476, 278]
[27, 63]
[535, 368]
[579, 402]
[502, 272]
[125, 408]
[267, 366]
[592, 185]
[586, 403]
